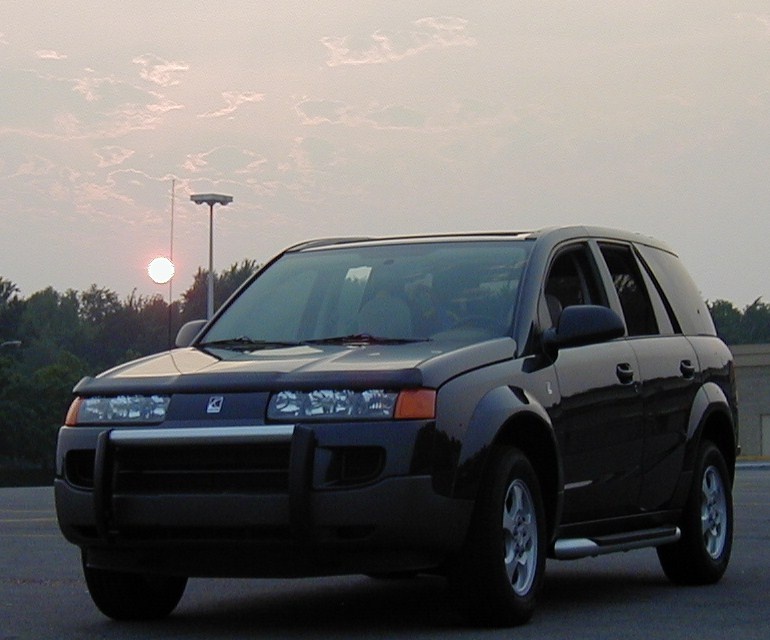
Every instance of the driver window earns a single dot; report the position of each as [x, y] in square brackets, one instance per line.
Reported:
[571, 281]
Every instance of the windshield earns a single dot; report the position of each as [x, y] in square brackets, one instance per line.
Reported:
[463, 290]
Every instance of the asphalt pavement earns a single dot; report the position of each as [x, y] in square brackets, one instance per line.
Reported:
[43, 596]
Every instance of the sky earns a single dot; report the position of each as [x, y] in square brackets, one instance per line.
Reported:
[355, 117]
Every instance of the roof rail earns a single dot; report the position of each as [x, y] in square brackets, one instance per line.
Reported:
[322, 242]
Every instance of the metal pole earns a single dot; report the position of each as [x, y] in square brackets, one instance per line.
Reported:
[211, 199]
[171, 239]
[171, 258]
[210, 297]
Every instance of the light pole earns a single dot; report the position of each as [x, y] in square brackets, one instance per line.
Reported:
[211, 199]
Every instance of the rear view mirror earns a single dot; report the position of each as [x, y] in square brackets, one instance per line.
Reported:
[188, 331]
[584, 324]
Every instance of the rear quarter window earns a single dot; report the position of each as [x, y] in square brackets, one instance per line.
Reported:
[679, 290]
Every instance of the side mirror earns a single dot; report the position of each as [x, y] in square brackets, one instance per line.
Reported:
[583, 324]
[188, 332]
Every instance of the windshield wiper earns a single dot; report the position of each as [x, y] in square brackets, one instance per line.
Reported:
[363, 339]
[244, 343]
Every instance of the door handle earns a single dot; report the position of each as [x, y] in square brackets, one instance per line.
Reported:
[625, 373]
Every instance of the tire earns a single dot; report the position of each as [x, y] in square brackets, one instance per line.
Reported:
[702, 554]
[133, 596]
[499, 572]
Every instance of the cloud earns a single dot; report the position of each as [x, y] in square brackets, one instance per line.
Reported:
[254, 166]
[123, 107]
[91, 87]
[219, 161]
[318, 112]
[458, 114]
[428, 33]
[111, 155]
[315, 112]
[233, 101]
[49, 54]
[397, 117]
[35, 166]
[160, 71]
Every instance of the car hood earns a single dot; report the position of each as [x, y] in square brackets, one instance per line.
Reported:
[193, 369]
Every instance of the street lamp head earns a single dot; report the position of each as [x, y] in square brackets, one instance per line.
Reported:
[211, 199]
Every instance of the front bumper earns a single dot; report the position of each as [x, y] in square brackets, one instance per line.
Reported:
[256, 500]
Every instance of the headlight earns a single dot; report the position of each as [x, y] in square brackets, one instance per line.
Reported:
[118, 410]
[333, 404]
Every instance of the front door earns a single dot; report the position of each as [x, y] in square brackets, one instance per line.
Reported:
[600, 428]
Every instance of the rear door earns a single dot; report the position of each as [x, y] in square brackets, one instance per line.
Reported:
[668, 370]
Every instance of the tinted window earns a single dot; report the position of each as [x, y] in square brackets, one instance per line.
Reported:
[679, 291]
[629, 285]
[571, 281]
[417, 290]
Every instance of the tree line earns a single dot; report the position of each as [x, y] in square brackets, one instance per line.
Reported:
[51, 340]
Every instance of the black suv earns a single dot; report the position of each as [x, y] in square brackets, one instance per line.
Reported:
[463, 404]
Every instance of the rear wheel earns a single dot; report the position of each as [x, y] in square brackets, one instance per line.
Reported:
[499, 573]
[702, 554]
[133, 596]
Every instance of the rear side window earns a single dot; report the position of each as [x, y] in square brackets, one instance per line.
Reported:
[629, 285]
[680, 292]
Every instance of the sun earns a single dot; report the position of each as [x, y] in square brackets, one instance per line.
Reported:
[161, 270]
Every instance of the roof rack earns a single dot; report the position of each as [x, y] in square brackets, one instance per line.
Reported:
[323, 242]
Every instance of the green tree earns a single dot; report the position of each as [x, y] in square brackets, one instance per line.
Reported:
[195, 299]
[8, 290]
[67, 336]
[49, 323]
[11, 308]
[748, 326]
[756, 322]
[727, 319]
[33, 409]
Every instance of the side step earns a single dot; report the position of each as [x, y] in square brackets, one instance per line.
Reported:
[573, 548]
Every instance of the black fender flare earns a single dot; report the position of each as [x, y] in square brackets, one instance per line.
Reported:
[511, 415]
[709, 400]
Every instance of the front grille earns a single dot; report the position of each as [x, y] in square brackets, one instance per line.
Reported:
[263, 533]
[210, 468]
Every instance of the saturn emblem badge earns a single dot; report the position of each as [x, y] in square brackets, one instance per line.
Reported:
[215, 404]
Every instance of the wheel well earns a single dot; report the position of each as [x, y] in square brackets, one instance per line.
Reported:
[719, 429]
[535, 439]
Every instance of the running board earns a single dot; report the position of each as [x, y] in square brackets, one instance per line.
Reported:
[572, 548]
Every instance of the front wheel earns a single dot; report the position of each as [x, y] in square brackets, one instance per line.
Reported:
[499, 572]
[702, 554]
[133, 596]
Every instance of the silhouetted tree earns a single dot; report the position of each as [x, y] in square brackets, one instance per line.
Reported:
[67, 336]
[751, 325]
[11, 308]
[727, 319]
[195, 299]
